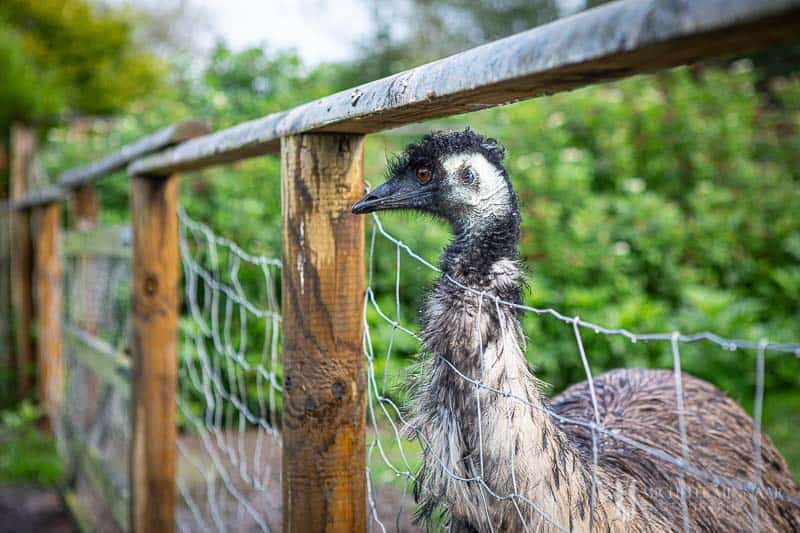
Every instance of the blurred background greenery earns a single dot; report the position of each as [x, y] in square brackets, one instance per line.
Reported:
[658, 203]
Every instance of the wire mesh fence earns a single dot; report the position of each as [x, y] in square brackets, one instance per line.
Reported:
[229, 402]
[487, 461]
[229, 386]
[94, 431]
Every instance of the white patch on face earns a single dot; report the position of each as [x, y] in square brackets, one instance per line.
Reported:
[491, 196]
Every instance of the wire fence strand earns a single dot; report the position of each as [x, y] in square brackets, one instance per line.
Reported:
[230, 394]
[397, 423]
[229, 383]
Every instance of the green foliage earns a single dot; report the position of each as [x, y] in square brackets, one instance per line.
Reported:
[435, 29]
[21, 94]
[658, 203]
[27, 456]
[69, 56]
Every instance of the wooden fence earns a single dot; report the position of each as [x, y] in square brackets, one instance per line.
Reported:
[321, 146]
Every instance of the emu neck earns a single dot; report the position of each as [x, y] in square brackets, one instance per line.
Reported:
[477, 247]
[471, 337]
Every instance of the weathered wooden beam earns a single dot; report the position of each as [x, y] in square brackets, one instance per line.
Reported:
[39, 198]
[109, 365]
[323, 291]
[84, 208]
[50, 366]
[23, 150]
[611, 41]
[118, 160]
[81, 176]
[105, 486]
[154, 347]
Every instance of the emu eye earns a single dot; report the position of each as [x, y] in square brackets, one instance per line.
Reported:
[468, 176]
[423, 174]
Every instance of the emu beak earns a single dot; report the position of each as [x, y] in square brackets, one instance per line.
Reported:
[394, 194]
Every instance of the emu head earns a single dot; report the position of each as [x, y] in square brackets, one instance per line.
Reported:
[457, 176]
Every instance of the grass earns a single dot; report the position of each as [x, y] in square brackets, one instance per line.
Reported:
[396, 452]
[27, 455]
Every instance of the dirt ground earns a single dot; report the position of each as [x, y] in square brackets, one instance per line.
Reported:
[201, 477]
[32, 509]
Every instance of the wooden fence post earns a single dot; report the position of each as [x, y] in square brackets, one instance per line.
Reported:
[6, 353]
[23, 149]
[154, 346]
[84, 208]
[324, 481]
[50, 372]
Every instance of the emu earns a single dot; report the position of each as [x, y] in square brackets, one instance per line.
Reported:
[501, 457]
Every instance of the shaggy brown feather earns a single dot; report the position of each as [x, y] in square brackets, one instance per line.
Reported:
[641, 405]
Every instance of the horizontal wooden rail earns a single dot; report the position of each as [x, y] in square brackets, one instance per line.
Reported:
[80, 176]
[111, 366]
[159, 140]
[38, 198]
[615, 40]
[611, 41]
[107, 482]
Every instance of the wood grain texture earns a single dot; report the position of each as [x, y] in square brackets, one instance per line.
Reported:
[611, 41]
[84, 208]
[23, 150]
[322, 306]
[6, 339]
[154, 347]
[49, 361]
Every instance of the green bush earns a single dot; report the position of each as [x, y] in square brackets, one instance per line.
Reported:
[658, 203]
[27, 456]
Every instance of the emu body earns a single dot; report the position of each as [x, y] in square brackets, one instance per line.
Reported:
[498, 456]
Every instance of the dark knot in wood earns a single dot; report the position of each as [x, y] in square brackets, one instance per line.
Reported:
[150, 285]
[338, 389]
